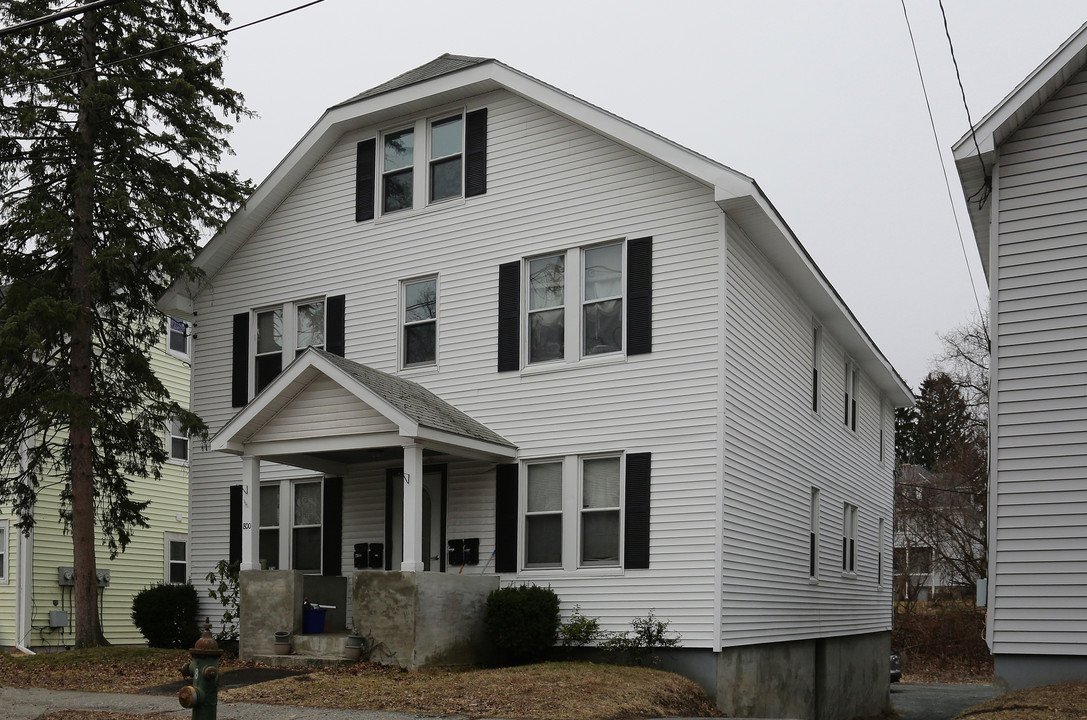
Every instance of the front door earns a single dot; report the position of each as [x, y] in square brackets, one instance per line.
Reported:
[433, 529]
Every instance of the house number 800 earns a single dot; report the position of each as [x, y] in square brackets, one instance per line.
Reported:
[247, 526]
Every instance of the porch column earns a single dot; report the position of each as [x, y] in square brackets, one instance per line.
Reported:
[413, 508]
[250, 512]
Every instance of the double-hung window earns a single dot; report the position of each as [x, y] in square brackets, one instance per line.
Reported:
[600, 510]
[543, 515]
[282, 333]
[879, 555]
[176, 558]
[546, 308]
[591, 299]
[306, 527]
[178, 442]
[816, 359]
[420, 322]
[269, 353]
[269, 526]
[446, 158]
[850, 409]
[398, 171]
[177, 337]
[849, 538]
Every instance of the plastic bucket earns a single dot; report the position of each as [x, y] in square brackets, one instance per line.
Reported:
[313, 620]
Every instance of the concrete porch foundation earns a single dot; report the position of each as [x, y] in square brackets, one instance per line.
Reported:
[418, 619]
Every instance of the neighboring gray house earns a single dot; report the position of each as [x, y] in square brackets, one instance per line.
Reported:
[1030, 227]
[613, 366]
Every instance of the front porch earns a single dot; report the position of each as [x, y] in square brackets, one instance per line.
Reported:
[361, 490]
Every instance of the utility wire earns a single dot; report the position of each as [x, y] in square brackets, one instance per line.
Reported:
[939, 155]
[44, 20]
[156, 51]
[985, 190]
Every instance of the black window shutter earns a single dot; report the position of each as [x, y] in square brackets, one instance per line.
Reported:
[239, 368]
[640, 296]
[509, 316]
[332, 519]
[335, 309]
[636, 546]
[365, 169]
[505, 518]
[235, 553]
[475, 153]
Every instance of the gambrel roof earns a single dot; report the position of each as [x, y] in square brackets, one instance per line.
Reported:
[452, 78]
[1003, 120]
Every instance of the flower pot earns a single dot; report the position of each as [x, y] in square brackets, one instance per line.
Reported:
[354, 641]
[283, 636]
[282, 648]
[353, 648]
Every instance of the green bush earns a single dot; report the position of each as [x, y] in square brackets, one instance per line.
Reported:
[166, 615]
[580, 630]
[649, 633]
[522, 622]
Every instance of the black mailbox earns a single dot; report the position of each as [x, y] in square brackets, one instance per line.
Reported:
[362, 556]
[456, 552]
[377, 556]
[471, 551]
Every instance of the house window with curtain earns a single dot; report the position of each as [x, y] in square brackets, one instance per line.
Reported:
[543, 515]
[602, 300]
[269, 526]
[546, 308]
[306, 527]
[601, 490]
[178, 340]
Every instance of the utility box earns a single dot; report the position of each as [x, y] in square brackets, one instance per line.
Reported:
[58, 618]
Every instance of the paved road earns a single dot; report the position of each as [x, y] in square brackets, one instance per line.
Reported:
[31, 703]
[936, 702]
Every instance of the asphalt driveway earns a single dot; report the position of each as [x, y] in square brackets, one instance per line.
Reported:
[936, 702]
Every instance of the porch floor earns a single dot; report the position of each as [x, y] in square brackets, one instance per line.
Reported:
[311, 651]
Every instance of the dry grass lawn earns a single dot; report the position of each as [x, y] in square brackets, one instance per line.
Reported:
[559, 691]
[1053, 702]
[562, 691]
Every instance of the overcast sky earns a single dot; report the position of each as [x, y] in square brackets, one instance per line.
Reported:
[819, 101]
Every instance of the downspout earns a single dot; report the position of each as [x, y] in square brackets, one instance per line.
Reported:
[24, 572]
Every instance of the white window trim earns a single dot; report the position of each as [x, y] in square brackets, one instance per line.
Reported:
[581, 510]
[292, 526]
[188, 339]
[288, 349]
[573, 306]
[571, 518]
[170, 435]
[402, 324]
[167, 560]
[5, 547]
[849, 540]
[420, 193]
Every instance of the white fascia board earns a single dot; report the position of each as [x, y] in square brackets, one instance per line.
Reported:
[336, 443]
[464, 446]
[758, 217]
[1034, 90]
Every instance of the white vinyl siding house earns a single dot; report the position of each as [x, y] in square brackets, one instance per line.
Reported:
[1030, 232]
[603, 315]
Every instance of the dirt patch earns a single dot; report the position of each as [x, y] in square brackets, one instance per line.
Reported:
[560, 691]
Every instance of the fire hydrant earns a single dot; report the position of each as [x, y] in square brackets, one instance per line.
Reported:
[203, 672]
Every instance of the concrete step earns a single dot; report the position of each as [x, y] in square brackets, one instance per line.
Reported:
[315, 662]
[331, 644]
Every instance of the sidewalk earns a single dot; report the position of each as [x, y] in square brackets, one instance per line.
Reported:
[31, 703]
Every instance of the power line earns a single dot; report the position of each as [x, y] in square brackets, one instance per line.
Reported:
[57, 16]
[156, 51]
[987, 185]
[940, 157]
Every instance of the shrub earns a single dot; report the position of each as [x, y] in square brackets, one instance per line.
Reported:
[649, 633]
[166, 615]
[224, 588]
[580, 630]
[522, 622]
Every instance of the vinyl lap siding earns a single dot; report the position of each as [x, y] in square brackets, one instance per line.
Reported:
[1040, 408]
[776, 449]
[552, 185]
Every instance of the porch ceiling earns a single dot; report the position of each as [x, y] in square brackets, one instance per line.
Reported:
[324, 412]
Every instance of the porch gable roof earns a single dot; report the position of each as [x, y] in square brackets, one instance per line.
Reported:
[416, 412]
